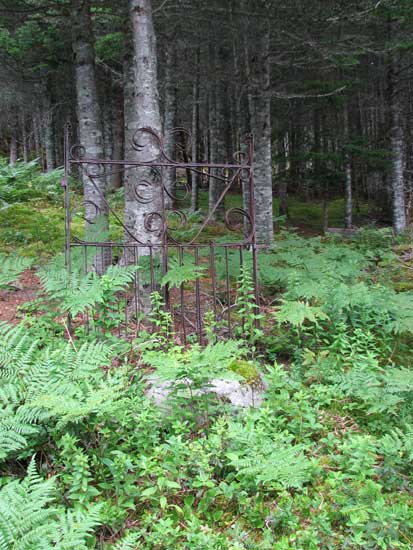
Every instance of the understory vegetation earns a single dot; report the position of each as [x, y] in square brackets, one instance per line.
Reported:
[322, 461]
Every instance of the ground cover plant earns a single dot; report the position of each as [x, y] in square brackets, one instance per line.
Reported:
[90, 460]
[164, 167]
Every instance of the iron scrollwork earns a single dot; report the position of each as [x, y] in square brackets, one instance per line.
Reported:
[148, 187]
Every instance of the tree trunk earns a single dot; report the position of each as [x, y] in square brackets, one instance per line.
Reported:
[90, 128]
[261, 129]
[218, 142]
[116, 179]
[282, 177]
[107, 119]
[37, 136]
[348, 217]
[144, 218]
[397, 150]
[169, 124]
[13, 154]
[24, 137]
[195, 137]
[113, 134]
[49, 134]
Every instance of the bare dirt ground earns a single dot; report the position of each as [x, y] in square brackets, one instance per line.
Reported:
[24, 290]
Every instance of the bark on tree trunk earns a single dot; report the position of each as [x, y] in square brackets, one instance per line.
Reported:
[113, 134]
[90, 128]
[49, 138]
[282, 178]
[261, 129]
[396, 138]
[13, 154]
[107, 119]
[348, 219]
[118, 137]
[169, 124]
[142, 217]
[24, 137]
[144, 205]
[397, 150]
[195, 136]
[218, 142]
[37, 136]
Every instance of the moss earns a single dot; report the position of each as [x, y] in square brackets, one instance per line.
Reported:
[35, 230]
[246, 369]
[403, 286]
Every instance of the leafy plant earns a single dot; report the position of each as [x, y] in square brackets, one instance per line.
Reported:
[29, 517]
[182, 272]
[77, 292]
[248, 308]
[11, 267]
[161, 320]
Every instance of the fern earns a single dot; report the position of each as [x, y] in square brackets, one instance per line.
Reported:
[75, 527]
[380, 390]
[17, 349]
[398, 444]
[30, 519]
[257, 458]
[196, 364]
[179, 273]
[77, 292]
[128, 542]
[296, 313]
[11, 267]
[51, 387]
[25, 518]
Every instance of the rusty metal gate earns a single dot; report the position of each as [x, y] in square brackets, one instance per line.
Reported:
[214, 245]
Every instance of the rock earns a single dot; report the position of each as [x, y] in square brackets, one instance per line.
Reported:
[238, 394]
[158, 390]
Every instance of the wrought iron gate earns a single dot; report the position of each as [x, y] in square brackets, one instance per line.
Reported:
[175, 240]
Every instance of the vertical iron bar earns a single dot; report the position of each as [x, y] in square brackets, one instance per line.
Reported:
[182, 296]
[85, 268]
[241, 268]
[126, 311]
[198, 299]
[152, 275]
[119, 331]
[228, 289]
[164, 248]
[135, 296]
[164, 272]
[255, 274]
[151, 268]
[65, 184]
[213, 278]
[66, 199]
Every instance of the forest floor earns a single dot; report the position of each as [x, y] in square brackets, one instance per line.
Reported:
[24, 290]
[323, 463]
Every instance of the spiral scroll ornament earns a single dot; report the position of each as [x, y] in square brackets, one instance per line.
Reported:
[236, 219]
[149, 144]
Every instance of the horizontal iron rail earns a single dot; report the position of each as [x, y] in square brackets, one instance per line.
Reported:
[158, 164]
[106, 244]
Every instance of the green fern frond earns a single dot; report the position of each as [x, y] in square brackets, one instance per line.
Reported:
[179, 273]
[78, 292]
[296, 313]
[30, 520]
[11, 267]
[257, 458]
[25, 516]
[128, 542]
[75, 527]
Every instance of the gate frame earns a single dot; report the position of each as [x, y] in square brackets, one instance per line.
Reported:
[159, 164]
